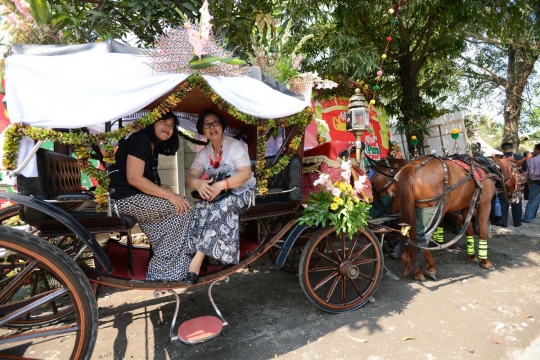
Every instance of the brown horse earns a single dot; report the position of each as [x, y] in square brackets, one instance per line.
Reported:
[384, 185]
[429, 180]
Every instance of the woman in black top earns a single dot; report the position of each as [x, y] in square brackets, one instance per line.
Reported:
[163, 216]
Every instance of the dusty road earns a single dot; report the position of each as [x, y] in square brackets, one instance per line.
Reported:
[468, 313]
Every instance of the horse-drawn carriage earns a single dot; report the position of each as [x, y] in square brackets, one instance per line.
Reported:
[54, 266]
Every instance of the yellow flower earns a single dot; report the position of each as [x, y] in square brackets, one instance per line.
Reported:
[342, 186]
[339, 201]
[349, 203]
[413, 137]
[356, 198]
[348, 187]
[455, 130]
[333, 206]
[336, 199]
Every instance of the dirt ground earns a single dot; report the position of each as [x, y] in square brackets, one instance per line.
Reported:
[467, 313]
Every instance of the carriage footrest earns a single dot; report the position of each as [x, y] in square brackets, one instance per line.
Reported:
[200, 329]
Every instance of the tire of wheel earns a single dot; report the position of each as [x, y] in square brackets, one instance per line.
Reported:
[59, 265]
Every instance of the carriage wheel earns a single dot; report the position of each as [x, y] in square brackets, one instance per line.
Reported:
[40, 282]
[340, 274]
[292, 263]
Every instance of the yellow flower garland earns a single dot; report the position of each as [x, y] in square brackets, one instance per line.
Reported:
[81, 140]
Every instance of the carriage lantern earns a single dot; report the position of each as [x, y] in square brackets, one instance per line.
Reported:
[358, 121]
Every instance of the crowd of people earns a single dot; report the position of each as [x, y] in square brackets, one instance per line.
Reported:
[529, 163]
[182, 235]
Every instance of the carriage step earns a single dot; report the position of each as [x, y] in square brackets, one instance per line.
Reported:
[200, 329]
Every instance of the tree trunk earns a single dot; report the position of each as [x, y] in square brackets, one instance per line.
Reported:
[410, 103]
[520, 66]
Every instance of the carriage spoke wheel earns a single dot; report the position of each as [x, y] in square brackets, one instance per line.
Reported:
[38, 283]
[340, 274]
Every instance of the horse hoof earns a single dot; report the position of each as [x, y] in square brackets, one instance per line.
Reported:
[420, 277]
[489, 267]
[473, 258]
[431, 275]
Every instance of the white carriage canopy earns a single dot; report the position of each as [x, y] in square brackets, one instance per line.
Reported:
[75, 86]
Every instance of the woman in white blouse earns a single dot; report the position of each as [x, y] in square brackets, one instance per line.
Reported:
[216, 230]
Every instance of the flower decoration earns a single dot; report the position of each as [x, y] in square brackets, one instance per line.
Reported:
[414, 140]
[455, 133]
[395, 150]
[342, 204]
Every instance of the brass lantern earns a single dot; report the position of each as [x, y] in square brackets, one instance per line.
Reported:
[358, 121]
[357, 114]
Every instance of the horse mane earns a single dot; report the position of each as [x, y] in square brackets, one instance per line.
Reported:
[407, 211]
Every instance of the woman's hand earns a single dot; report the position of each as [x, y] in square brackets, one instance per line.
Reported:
[216, 189]
[205, 189]
[179, 202]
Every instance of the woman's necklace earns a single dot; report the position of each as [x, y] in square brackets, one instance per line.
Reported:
[215, 164]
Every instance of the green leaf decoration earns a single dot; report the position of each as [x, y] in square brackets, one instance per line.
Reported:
[209, 61]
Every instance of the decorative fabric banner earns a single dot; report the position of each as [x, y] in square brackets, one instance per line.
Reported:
[334, 112]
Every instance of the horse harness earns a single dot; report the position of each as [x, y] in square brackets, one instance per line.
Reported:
[387, 166]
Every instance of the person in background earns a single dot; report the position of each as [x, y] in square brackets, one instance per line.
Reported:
[517, 208]
[163, 216]
[216, 231]
[533, 173]
[526, 155]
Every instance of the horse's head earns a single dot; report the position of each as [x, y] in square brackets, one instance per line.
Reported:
[510, 178]
[383, 182]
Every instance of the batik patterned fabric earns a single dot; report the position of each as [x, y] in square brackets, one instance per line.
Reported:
[216, 228]
[167, 232]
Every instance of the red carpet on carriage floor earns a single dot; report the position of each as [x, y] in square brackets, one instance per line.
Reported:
[117, 252]
[479, 174]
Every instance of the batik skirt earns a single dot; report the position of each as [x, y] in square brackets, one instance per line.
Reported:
[216, 227]
[167, 232]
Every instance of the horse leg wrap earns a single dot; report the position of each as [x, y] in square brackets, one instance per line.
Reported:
[482, 249]
[439, 238]
[470, 245]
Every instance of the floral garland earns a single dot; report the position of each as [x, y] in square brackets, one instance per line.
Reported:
[82, 140]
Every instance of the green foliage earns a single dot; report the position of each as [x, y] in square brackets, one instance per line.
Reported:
[346, 213]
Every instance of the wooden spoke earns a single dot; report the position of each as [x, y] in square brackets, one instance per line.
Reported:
[351, 247]
[326, 257]
[365, 261]
[354, 286]
[342, 246]
[18, 281]
[322, 268]
[325, 280]
[332, 288]
[359, 252]
[343, 289]
[333, 249]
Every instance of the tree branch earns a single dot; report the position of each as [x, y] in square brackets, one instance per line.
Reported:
[494, 77]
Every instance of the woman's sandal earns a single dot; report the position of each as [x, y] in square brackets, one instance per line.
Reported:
[191, 278]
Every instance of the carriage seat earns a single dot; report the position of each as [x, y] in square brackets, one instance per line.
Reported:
[59, 178]
[279, 183]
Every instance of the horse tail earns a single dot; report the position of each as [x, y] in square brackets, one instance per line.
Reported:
[407, 212]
